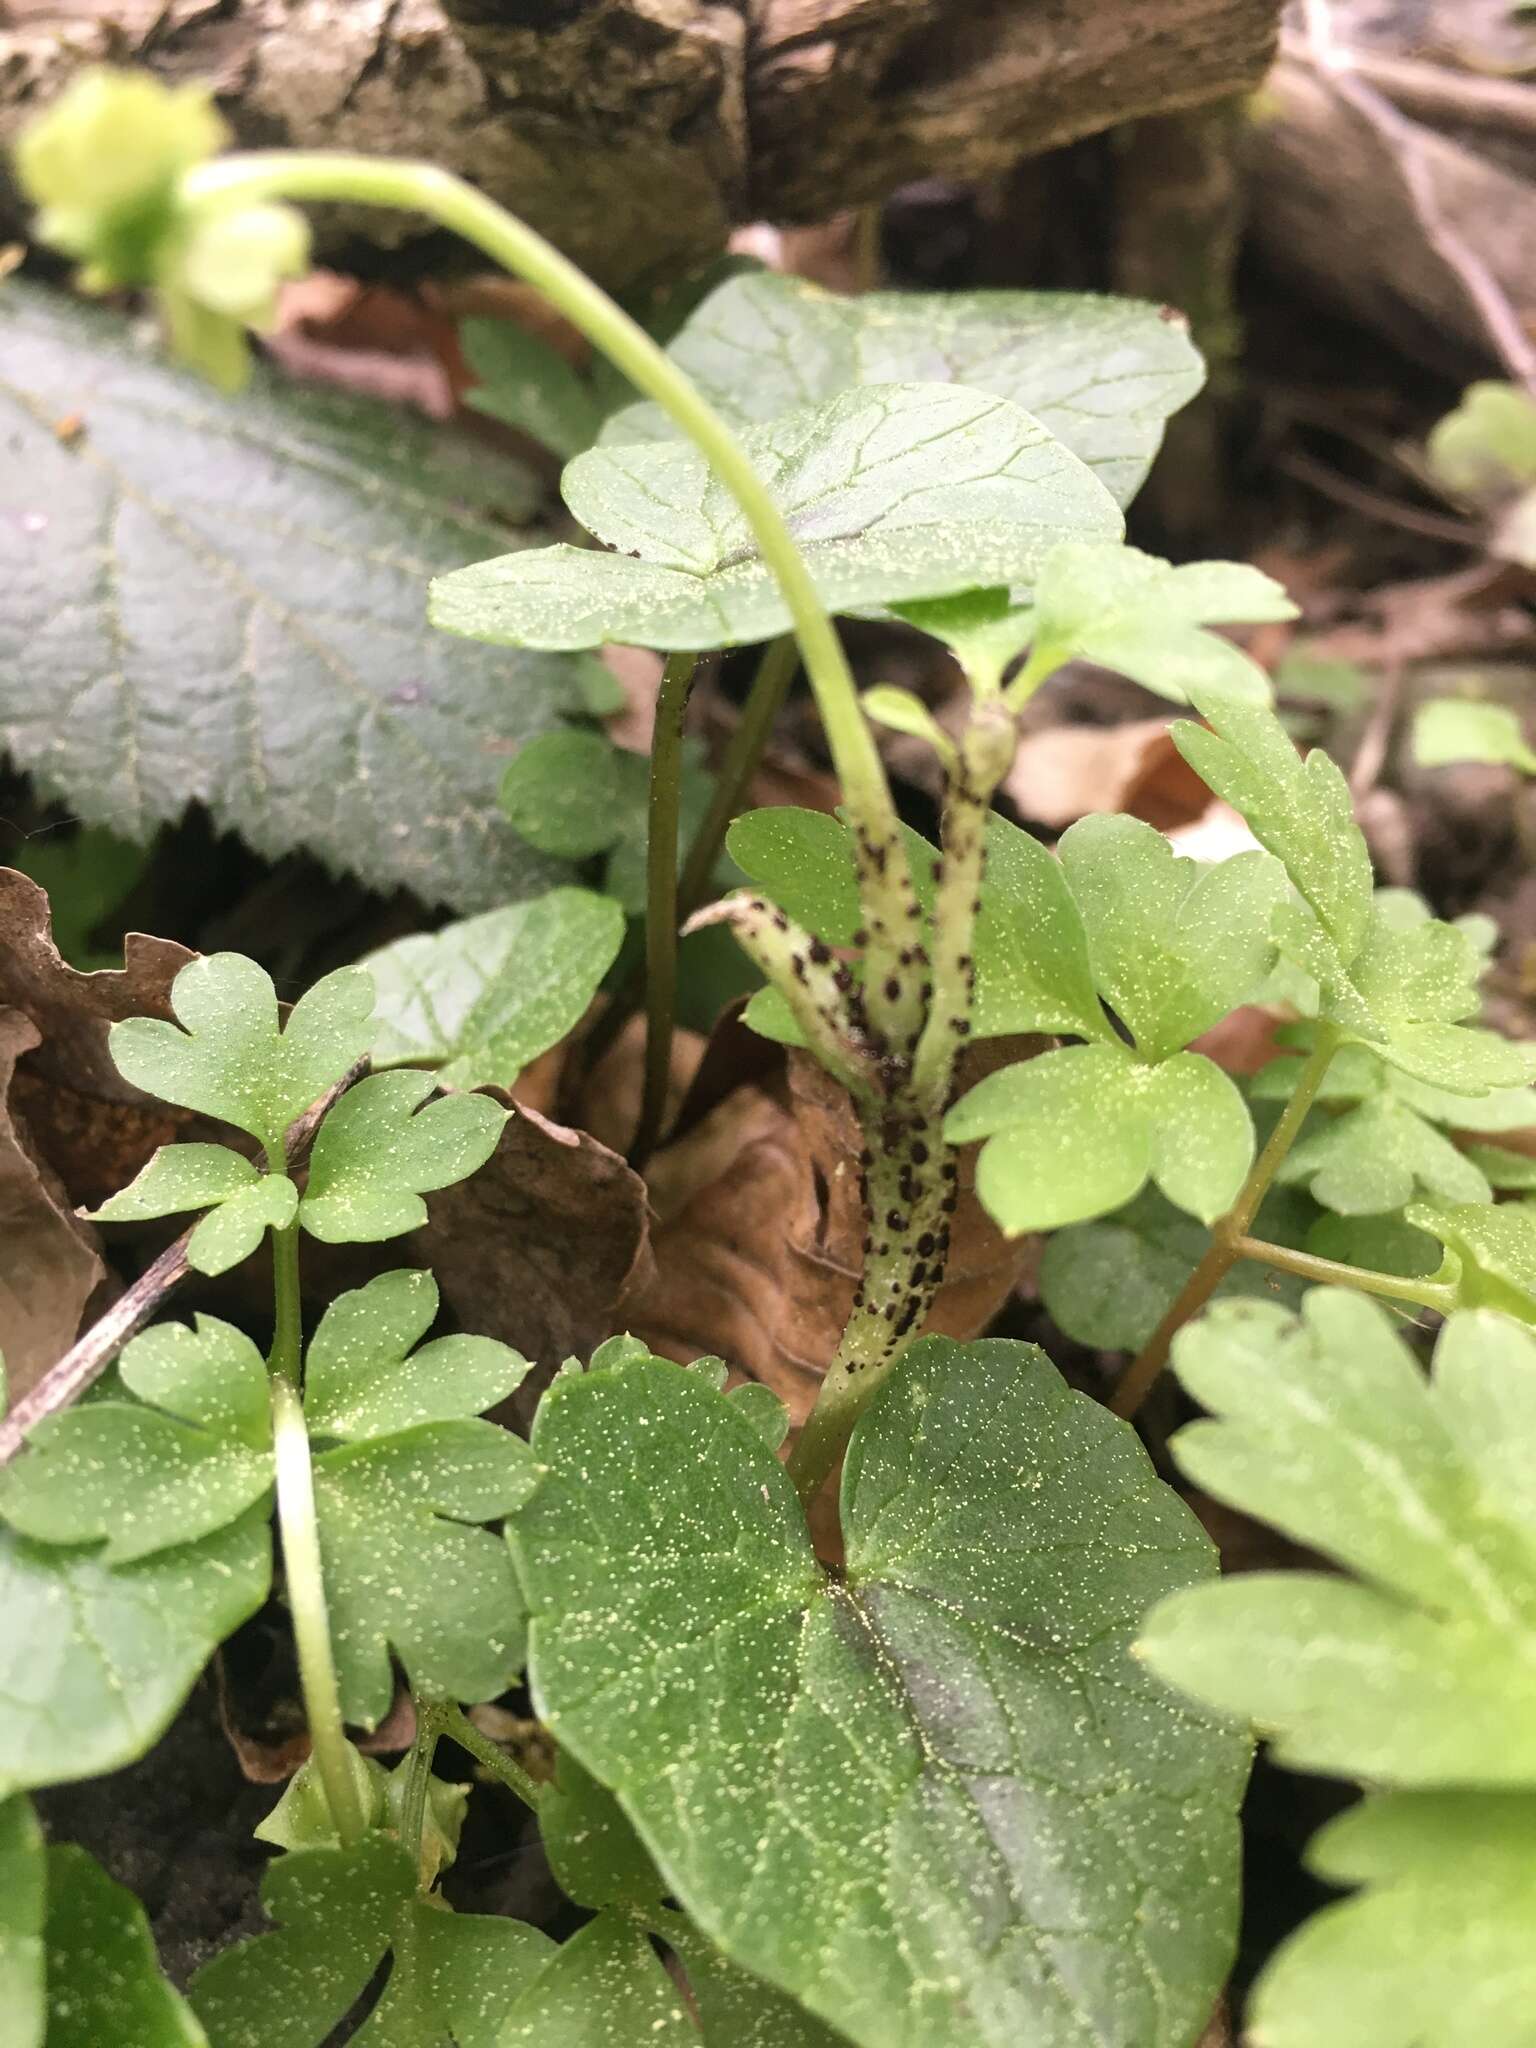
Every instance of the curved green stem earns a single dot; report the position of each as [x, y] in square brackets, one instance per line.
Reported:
[418, 1776]
[661, 910]
[1436, 1294]
[457, 1726]
[458, 207]
[1223, 1255]
[299, 1524]
[770, 686]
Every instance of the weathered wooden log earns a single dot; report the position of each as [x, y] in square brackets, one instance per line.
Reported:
[635, 132]
[1394, 171]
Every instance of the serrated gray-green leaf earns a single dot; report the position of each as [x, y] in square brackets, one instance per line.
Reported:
[934, 1802]
[1102, 374]
[480, 999]
[104, 1981]
[222, 600]
[97, 1660]
[894, 491]
[1417, 1668]
[1434, 1951]
[405, 1565]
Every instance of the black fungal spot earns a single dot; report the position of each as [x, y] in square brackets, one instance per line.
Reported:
[925, 1245]
[919, 1152]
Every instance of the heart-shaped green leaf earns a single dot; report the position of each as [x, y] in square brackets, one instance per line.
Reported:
[895, 491]
[1076, 1133]
[822, 1770]
[1102, 374]
[480, 999]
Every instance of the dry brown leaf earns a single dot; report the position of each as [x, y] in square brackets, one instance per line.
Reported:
[94, 1130]
[51, 1265]
[1070, 771]
[536, 1248]
[756, 1253]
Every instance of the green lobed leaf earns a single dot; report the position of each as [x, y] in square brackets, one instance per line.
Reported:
[364, 1378]
[1448, 729]
[219, 601]
[244, 1203]
[737, 2010]
[1102, 374]
[604, 1988]
[596, 1856]
[377, 1153]
[1174, 946]
[1109, 1283]
[893, 491]
[562, 792]
[1077, 1133]
[406, 1567]
[1380, 1156]
[23, 1904]
[142, 1479]
[227, 1058]
[850, 1785]
[481, 999]
[1390, 976]
[527, 384]
[1486, 449]
[96, 1660]
[104, 1981]
[459, 1971]
[1415, 1669]
[1144, 618]
[1493, 1250]
[336, 1911]
[1435, 1951]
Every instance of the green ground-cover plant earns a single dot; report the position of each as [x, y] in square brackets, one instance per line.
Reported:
[928, 1797]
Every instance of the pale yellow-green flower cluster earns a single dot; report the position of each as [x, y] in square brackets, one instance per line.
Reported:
[106, 167]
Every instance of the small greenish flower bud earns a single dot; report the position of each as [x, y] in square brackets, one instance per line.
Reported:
[222, 277]
[103, 166]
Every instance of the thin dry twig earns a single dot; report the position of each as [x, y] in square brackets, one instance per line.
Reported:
[1343, 490]
[84, 1363]
[1405, 139]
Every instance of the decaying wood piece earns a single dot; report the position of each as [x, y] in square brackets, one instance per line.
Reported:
[634, 132]
[1408, 216]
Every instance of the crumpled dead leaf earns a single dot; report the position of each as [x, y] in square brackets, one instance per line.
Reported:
[537, 1247]
[756, 1253]
[51, 1267]
[94, 1130]
[1067, 772]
